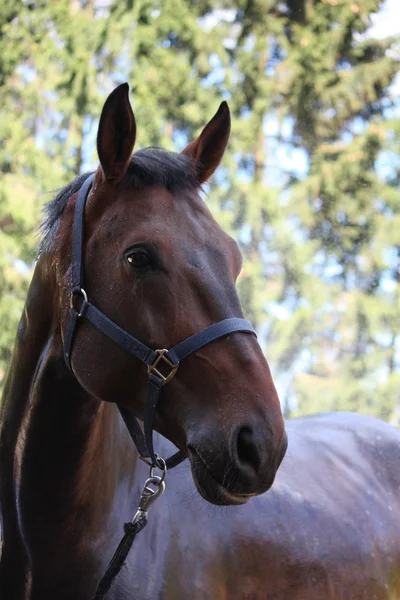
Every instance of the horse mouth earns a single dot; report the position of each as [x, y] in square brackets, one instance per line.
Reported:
[209, 487]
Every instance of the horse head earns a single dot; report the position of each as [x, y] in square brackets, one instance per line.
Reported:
[157, 263]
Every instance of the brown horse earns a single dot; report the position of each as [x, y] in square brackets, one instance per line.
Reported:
[158, 265]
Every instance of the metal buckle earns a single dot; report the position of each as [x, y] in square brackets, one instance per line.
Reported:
[74, 294]
[162, 357]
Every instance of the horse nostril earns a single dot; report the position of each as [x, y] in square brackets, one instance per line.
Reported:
[248, 454]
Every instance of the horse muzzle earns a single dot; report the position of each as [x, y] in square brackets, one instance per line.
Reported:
[246, 467]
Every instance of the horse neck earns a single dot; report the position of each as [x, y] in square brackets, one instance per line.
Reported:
[64, 450]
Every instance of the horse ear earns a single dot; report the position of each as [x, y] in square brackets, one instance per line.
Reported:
[117, 133]
[207, 150]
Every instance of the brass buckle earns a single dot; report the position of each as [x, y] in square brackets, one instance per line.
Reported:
[162, 357]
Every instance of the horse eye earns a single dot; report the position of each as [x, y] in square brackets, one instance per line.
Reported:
[138, 258]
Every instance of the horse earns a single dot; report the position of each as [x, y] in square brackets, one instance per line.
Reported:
[246, 516]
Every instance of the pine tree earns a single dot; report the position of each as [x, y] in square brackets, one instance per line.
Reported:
[19, 162]
[337, 93]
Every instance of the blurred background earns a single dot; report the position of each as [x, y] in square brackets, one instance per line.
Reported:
[308, 187]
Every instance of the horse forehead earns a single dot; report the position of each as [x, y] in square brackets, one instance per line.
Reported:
[181, 220]
[146, 203]
[155, 207]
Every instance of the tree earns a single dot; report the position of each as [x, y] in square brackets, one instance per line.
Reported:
[338, 93]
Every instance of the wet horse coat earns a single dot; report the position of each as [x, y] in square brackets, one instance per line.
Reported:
[159, 266]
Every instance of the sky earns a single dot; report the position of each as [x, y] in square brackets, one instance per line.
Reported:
[387, 21]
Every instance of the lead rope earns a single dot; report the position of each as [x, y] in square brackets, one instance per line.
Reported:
[148, 497]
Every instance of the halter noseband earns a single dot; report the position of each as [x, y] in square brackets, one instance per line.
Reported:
[152, 358]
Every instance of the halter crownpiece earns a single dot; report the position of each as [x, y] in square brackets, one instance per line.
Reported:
[154, 359]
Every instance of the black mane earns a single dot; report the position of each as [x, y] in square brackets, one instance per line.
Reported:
[150, 166]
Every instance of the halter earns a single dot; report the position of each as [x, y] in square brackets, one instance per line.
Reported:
[153, 359]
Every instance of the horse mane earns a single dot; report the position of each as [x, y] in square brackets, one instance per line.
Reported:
[149, 166]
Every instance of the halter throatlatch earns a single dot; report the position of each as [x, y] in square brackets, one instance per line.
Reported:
[157, 362]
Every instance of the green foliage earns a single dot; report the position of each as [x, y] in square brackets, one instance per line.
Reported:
[321, 244]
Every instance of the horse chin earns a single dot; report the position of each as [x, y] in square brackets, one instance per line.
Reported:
[210, 489]
[216, 494]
